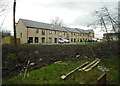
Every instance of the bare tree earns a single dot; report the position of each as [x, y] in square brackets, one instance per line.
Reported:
[5, 33]
[3, 6]
[57, 21]
[106, 21]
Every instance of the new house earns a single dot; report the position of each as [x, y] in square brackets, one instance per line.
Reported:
[29, 31]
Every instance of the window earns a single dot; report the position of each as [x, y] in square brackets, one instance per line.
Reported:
[43, 39]
[78, 40]
[36, 39]
[37, 30]
[83, 39]
[60, 33]
[50, 39]
[55, 32]
[71, 39]
[74, 34]
[71, 34]
[55, 40]
[64, 33]
[20, 34]
[74, 40]
[43, 32]
[30, 40]
[50, 32]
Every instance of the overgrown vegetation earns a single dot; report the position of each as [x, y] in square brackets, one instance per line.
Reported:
[52, 74]
[44, 55]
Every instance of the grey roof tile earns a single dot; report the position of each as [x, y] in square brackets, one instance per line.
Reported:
[85, 31]
[40, 25]
[72, 30]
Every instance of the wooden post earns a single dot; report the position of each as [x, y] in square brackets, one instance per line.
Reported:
[101, 81]
[14, 27]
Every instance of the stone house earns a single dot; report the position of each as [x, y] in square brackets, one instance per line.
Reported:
[29, 31]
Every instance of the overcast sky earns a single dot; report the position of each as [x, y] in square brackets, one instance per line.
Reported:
[74, 13]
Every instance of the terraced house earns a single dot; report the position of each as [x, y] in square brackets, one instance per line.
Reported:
[29, 31]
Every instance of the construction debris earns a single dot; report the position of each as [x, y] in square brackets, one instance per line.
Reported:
[65, 76]
[26, 68]
[31, 64]
[57, 62]
[83, 67]
[93, 65]
[89, 65]
[103, 69]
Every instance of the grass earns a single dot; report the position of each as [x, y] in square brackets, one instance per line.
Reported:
[51, 74]
[79, 43]
[112, 63]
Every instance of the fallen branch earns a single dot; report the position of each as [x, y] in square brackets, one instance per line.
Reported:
[26, 68]
[65, 76]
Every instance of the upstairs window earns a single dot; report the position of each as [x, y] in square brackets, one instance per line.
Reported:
[20, 34]
[60, 33]
[43, 32]
[74, 34]
[71, 34]
[55, 32]
[64, 33]
[37, 30]
[50, 32]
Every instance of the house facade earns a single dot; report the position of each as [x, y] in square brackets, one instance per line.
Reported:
[29, 31]
[111, 36]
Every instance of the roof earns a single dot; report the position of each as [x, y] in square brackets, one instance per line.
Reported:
[72, 30]
[85, 31]
[41, 25]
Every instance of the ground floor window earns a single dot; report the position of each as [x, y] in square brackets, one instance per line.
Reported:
[43, 39]
[74, 40]
[71, 39]
[83, 40]
[30, 40]
[36, 40]
[50, 39]
[55, 41]
[80, 40]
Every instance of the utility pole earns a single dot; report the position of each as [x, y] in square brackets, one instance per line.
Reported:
[14, 27]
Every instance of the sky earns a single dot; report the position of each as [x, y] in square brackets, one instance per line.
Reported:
[74, 13]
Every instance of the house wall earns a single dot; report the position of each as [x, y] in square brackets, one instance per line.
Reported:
[79, 37]
[73, 37]
[47, 36]
[21, 29]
